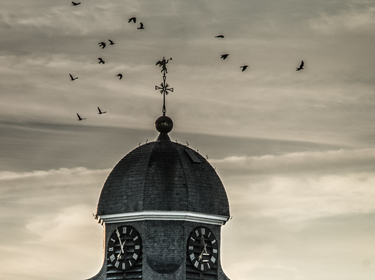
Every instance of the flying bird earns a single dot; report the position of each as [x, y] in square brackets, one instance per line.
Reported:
[119, 75]
[79, 117]
[72, 78]
[132, 19]
[141, 26]
[301, 66]
[101, 112]
[75, 3]
[224, 56]
[244, 67]
[101, 61]
[111, 42]
[102, 44]
[219, 36]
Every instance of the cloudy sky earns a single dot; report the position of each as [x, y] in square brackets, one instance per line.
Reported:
[295, 150]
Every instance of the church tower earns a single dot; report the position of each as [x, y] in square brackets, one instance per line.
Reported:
[162, 208]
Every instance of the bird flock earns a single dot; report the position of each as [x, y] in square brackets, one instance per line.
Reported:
[244, 67]
[100, 112]
[133, 20]
[103, 45]
[225, 55]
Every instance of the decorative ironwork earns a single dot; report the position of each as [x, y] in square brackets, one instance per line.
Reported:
[164, 87]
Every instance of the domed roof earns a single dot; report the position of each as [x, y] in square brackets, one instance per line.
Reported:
[163, 176]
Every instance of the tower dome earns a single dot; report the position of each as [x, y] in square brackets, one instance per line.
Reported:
[163, 176]
[162, 208]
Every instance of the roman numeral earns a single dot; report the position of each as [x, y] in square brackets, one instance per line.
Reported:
[192, 257]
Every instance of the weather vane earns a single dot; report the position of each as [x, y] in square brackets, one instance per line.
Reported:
[164, 87]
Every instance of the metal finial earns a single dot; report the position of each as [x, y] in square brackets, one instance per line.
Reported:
[164, 87]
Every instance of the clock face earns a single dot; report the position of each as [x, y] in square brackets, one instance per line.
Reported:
[202, 248]
[124, 247]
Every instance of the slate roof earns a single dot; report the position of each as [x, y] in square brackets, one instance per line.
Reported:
[166, 176]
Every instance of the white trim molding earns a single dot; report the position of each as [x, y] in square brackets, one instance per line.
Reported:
[163, 216]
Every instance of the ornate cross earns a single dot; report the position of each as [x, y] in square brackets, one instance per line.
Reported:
[164, 87]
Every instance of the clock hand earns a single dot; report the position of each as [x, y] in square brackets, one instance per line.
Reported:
[204, 245]
[200, 256]
[119, 256]
[119, 238]
[202, 240]
[122, 246]
[204, 251]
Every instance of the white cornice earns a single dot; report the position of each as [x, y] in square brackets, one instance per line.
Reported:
[163, 216]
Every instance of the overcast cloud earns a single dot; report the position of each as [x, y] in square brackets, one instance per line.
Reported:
[295, 150]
